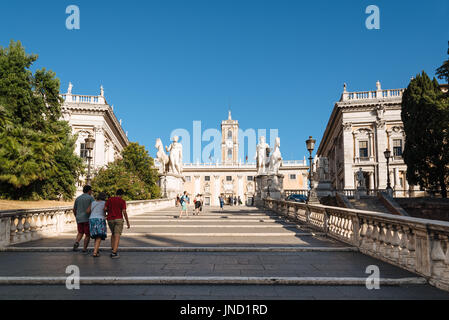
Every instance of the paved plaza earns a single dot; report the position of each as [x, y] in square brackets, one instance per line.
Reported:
[238, 253]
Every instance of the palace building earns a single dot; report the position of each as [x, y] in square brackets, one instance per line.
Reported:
[93, 115]
[361, 127]
[232, 178]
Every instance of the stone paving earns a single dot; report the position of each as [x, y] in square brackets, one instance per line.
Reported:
[239, 243]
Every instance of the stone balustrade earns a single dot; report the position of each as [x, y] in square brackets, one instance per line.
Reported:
[77, 98]
[381, 94]
[18, 226]
[250, 165]
[418, 245]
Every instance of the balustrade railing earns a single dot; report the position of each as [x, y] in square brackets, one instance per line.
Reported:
[83, 98]
[25, 225]
[18, 226]
[363, 95]
[418, 245]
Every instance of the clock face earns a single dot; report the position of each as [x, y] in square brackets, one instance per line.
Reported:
[229, 143]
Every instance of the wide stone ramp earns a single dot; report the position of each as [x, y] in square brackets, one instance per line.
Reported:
[237, 253]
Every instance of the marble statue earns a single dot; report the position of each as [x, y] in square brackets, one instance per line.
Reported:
[261, 155]
[161, 156]
[275, 160]
[175, 156]
[101, 91]
[360, 179]
[69, 90]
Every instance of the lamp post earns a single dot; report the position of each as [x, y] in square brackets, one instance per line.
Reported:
[387, 154]
[89, 141]
[310, 143]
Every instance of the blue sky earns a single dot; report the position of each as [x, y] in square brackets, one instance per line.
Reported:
[279, 64]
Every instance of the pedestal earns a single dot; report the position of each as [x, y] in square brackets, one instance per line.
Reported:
[171, 185]
[360, 192]
[324, 189]
[268, 186]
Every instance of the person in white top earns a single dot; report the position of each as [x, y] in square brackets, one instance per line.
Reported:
[198, 204]
[97, 221]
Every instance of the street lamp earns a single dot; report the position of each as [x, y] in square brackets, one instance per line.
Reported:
[310, 143]
[310, 146]
[89, 143]
[387, 154]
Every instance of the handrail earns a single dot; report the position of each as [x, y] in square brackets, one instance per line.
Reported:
[414, 244]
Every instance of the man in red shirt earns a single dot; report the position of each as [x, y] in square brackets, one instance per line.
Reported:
[115, 208]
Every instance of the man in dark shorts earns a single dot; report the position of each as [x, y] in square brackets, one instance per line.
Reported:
[82, 218]
[115, 208]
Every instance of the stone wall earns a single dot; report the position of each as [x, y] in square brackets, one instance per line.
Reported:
[426, 208]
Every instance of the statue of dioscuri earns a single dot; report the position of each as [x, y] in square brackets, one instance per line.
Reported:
[275, 158]
[175, 157]
[162, 156]
[261, 155]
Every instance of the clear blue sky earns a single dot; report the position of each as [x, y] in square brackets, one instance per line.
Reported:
[281, 64]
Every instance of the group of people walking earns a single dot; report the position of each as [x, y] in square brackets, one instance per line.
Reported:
[184, 200]
[91, 216]
[231, 201]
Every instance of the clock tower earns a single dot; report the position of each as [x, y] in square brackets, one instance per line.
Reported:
[229, 140]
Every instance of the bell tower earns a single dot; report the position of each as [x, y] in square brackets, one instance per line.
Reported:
[229, 140]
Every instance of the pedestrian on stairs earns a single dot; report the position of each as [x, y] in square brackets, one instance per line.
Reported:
[184, 200]
[82, 218]
[115, 208]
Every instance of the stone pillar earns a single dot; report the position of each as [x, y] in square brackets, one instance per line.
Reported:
[371, 180]
[240, 187]
[98, 160]
[397, 185]
[197, 185]
[382, 145]
[407, 187]
[215, 201]
[348, 147]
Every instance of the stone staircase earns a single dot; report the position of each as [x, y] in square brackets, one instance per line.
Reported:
[369, 204]
[238, 253]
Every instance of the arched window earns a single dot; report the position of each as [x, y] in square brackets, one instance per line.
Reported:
[229, 154]
[230, 134]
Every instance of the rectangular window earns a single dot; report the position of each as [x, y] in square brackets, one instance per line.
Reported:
[228, 178]
[207, 201]
[83, 151]
[397, 147]
[188, 179]
[293, 177]
[206, 178]
[249, 178]
[363, 149]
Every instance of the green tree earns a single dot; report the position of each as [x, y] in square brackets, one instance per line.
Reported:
[115, 176]
[137, 160]
[134, 173]
[443, 71]
[425, 117]
[37, 159]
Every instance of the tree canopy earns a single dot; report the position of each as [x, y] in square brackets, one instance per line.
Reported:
[134, 173]
[37, 159]
[443, 71]
[425, 114]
